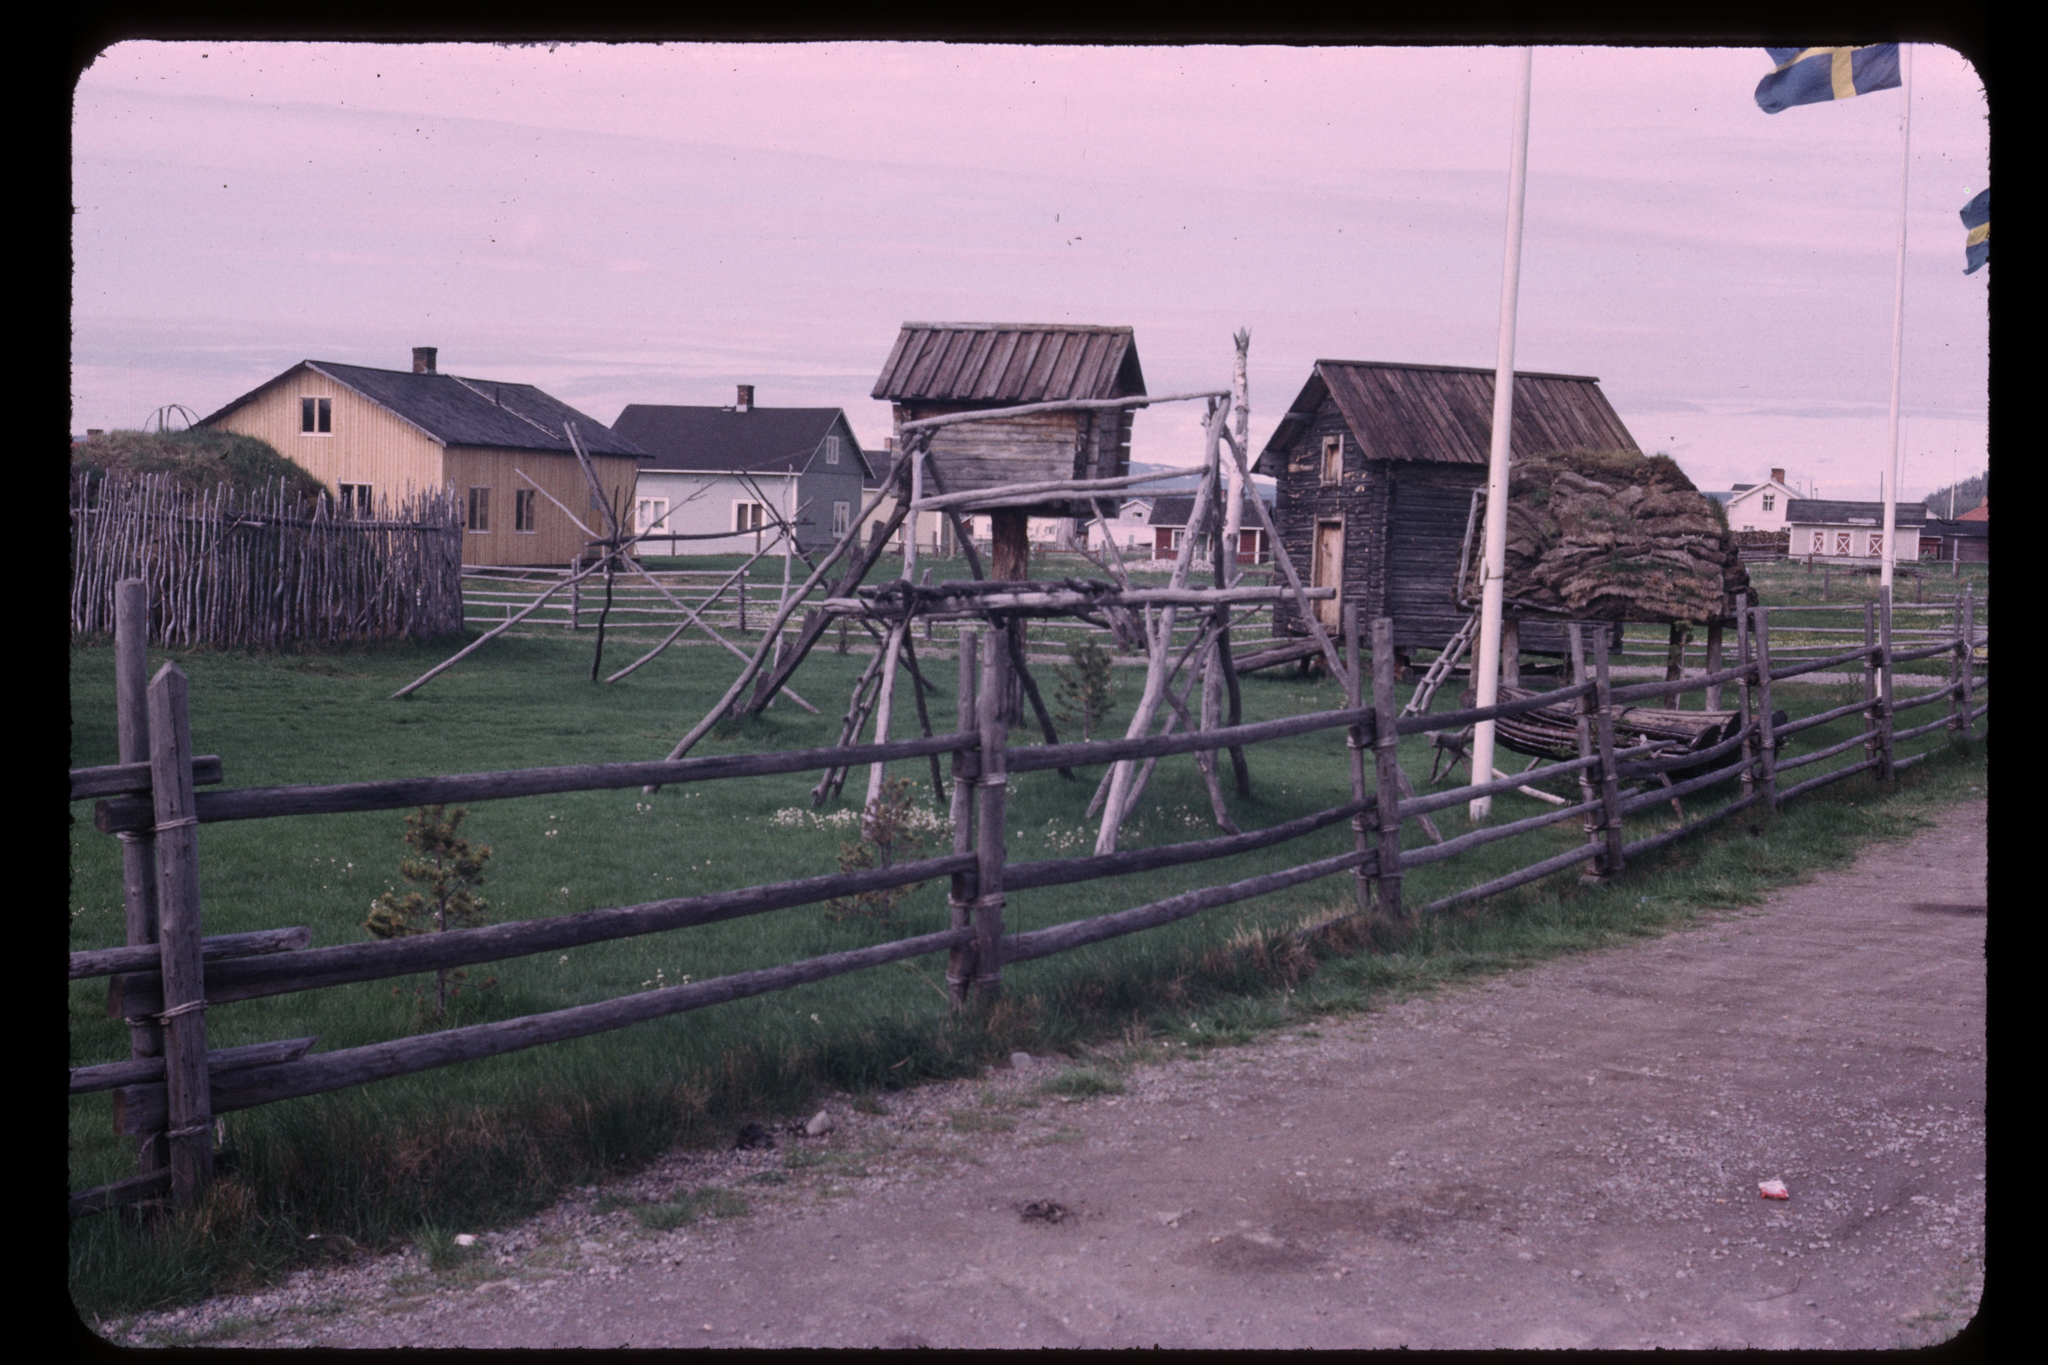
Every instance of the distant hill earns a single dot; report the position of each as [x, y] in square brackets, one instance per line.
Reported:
[1970, 494]
[1188, 480]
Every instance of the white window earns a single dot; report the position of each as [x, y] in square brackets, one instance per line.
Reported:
[842, 518]
[651, 515]
[355, 499]
[316, 416]
[1770, 501]
[831, 450]
[480, 511]
[748, 516]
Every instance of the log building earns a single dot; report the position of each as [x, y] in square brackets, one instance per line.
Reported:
[1377, 465]
[940, 368]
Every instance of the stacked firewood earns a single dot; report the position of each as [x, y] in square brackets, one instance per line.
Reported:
[1614, 535]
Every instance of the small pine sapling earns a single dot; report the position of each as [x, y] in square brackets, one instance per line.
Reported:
[891, 831]
[1085, 686]
[450, 870]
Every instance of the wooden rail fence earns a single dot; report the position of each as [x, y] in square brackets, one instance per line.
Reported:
[169, 1092]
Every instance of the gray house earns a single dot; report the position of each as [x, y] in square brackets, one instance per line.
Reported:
[719, 478]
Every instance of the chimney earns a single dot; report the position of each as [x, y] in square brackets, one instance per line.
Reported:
[423, 359]
[745, 401]
[1777, 476]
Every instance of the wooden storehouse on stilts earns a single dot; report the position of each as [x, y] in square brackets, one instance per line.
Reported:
[936, 369]
[1377, 466]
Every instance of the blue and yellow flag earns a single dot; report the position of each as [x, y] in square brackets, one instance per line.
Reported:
[1977, 246]
[1809, 75]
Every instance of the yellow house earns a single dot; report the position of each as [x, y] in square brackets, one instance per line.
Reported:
[373, 435]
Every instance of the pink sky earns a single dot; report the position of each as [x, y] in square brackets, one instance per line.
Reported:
[652, 224]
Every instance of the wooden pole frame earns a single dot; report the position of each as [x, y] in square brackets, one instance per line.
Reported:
[183, 1012]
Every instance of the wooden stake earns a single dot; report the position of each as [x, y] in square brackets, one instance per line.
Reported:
[990, 788]
[1387, 762]
[966, 767]
[184, 981]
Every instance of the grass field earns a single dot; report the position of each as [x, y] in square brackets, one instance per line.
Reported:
[491, 1140]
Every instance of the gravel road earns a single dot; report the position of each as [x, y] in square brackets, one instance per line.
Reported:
[1565, 1156]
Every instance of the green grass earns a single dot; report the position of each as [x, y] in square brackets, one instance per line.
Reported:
[486, 1142]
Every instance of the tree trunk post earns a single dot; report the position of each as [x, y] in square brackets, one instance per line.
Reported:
[184, 984]
[1610, 862]
[1767, 742]
[1969, 652]
[1712, 700]
[966, 767]
[1387, 763]
[1869, 682]
[1884, 682]
[990, 790]
[1582, 732]
[1354, 739]
[1010, 562]
[138, 848]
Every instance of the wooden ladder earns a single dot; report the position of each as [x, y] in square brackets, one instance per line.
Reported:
[1425, 692]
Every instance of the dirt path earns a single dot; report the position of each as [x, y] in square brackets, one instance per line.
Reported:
[1567, 1156]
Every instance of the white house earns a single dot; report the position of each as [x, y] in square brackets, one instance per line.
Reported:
[720, 478]
[1757, 506]
[1851, 532]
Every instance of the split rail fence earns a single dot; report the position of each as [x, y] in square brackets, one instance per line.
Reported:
[169, 1092]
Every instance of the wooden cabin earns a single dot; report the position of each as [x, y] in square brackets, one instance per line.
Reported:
[371, 435]
[939, 368]
[1377, 465]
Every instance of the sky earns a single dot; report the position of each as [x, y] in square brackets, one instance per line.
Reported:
[622, 223]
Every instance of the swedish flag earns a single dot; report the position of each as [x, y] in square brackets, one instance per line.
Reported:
[1977, 246]
[1809, 75]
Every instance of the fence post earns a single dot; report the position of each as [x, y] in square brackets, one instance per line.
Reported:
[1582, 733]
[1386, 766]
[138, 848]
[1745, 661]
[575, 593]
[1354, 740]
[743, 602]
[1884, 682]
[966, 768]
[184, 991]
[1969, 651]
[1767, 743]
[1610, 862]
[990, 789]
[1716, 628]
[1869, 682]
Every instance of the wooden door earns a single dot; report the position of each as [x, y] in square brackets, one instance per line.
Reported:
[1328, 571]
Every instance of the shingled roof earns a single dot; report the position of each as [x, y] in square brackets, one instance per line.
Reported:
[1005, 363]
[727, 440]
[1444, 413]
[1830, 512]
[465, 412]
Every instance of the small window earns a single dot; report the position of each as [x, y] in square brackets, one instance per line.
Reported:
[1333, 459]
[355, 499]
[831, 450]
[316, 416]
[651, 514]
[1770, 501]
[748, 516]
[1877, 545]
[842, 518]
[525, 508]
[480, 510]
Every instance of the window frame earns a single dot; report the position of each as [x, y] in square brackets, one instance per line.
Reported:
[526, 511]
[1330, 469]
[477, 513]
[842, 519]
[832, 449]
[316, 415]
[356, 500]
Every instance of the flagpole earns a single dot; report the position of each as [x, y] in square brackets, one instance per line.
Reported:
[1486, 667]
[1891, 482]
